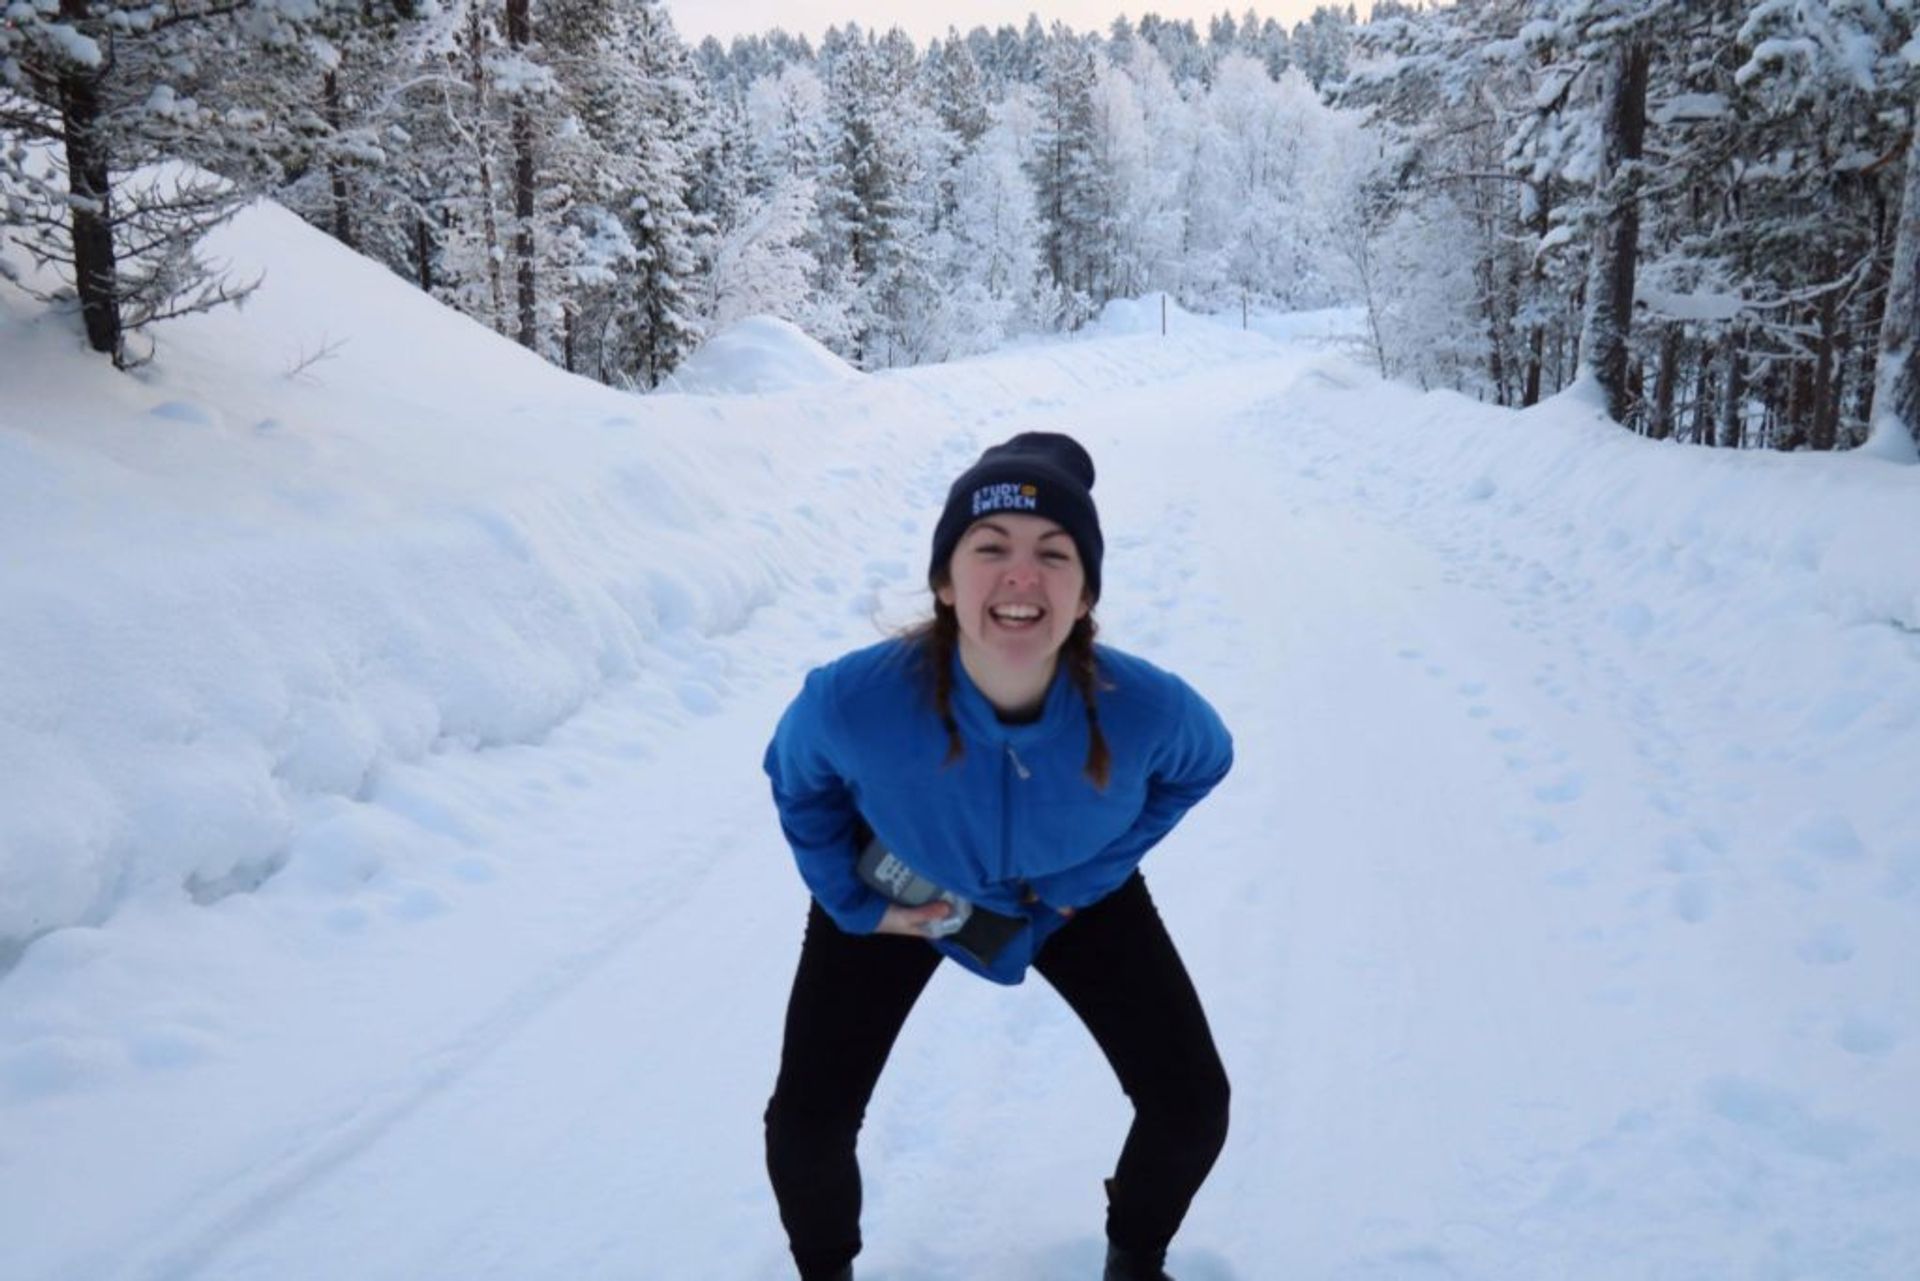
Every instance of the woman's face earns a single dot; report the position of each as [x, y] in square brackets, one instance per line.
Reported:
[1017, 586]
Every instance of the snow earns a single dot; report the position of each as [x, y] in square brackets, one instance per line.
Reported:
[1687, 107]
[761, 354]
[1697, 306]
[393, 893]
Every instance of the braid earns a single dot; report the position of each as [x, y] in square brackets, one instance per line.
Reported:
[1083, 670]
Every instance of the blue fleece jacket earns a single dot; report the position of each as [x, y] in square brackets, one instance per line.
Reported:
[1014, 825]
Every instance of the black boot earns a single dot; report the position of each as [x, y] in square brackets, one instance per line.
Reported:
[1131, 1265]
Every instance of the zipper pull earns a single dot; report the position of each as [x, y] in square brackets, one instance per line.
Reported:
[1019, 766]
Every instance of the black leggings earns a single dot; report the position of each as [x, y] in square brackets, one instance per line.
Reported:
[1118, 970]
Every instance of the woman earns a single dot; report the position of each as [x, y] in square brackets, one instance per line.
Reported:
[984, 788]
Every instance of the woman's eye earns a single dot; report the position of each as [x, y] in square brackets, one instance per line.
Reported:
[1057, 558]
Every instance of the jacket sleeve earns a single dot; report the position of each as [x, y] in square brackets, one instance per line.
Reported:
[1191, 758]
[816, 808]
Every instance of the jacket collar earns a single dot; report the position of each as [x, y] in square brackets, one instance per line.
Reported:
[977, 720]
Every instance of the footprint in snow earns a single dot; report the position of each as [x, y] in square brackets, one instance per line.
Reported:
[182, 411]
[474, 871]
[1632, 620]
[1692, 902]
[417, 903]
[1782, 1117]
[1867, 1036]
[1541, 830]
[165, 1047]
[1830, 836]
[698, 698]
[1828, 945]
[50, 1065]
[1563, 790]
[347, 920]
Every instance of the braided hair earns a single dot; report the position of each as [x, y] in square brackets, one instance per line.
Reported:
[939, 637]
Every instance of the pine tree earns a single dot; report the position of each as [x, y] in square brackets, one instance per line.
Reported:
[664, 327]
[95, 82]
[1067, 178]
[872, 204]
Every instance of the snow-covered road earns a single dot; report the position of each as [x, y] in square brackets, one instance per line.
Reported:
[1557, 921]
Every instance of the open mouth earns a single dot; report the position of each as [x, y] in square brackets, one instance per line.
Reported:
[1017, 616]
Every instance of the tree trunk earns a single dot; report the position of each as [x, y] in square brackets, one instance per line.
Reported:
[1604, 340]
[96, 274]
[1700, 421]
[1664, 380]
[1793, 434]
[423, 252]
[490, 227]
[1735, 389]
[1537, 284]
[335, 114]
[519, 36]
[1896, 389]
[1823, 409]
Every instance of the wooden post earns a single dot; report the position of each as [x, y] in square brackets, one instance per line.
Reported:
[1163, 313]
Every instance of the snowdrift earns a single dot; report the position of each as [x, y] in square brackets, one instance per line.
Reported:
[343, 527]
[758, 355]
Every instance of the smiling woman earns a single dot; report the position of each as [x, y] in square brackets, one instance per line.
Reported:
[1016, 588]
[983, 789]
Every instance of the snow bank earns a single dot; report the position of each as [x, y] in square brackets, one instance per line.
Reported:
[236, 580]
[345, 528]
[1139, 316]
[759, 355]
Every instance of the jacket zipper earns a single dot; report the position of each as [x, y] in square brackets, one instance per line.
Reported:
[1013, 764]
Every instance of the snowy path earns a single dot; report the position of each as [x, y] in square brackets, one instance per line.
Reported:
[1479, 917]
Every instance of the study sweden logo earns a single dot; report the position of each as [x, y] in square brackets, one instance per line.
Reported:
[1006, 497]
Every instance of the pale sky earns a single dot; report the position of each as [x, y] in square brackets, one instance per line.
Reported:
[924, 20]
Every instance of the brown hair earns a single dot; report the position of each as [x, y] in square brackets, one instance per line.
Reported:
[938, 638]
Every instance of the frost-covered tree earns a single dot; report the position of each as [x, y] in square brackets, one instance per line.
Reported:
[994, 262]
[787, 113]
[96, 84]
[1068, 180]
[760, 264]
[873, 203]
[1322, 46]
[664, 327]
[1896, 396]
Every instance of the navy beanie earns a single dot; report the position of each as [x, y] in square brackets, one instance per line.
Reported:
[1037, 473]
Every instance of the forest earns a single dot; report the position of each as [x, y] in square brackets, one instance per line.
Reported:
[1707, 206]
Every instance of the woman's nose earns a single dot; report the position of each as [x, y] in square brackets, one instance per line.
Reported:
[1023, 569]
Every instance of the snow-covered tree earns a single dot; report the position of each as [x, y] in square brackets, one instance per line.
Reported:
[993, 260]
[97, 84]
[664, 327]
[760, 263]
[1068, 180]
